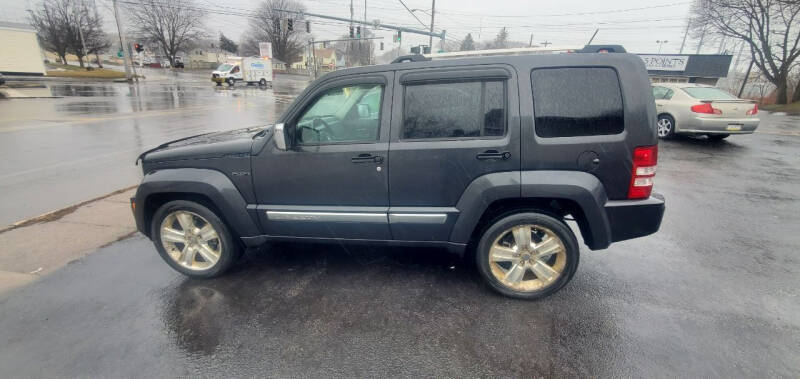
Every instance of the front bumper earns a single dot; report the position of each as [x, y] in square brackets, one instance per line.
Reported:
[719, 125]
[634, 218]
[218, 79]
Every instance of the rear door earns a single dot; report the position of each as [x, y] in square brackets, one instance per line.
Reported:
[449, 127]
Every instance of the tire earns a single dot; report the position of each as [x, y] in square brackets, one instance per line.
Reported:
[230, 82]
[717, 137]
[220, 245]
[262, 82]
[560, 255]
[665, 127]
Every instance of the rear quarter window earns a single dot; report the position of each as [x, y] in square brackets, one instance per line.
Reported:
[577, 101]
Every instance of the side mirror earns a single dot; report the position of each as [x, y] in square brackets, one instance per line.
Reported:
[363, 111]
[280, 136]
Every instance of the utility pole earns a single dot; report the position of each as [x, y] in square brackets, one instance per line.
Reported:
[530, 44]
[593, 35]
[123, 44]
[746, 77]
[80, 32]
[430, 37]
[700, 44]
[686, 33]
[546, 42]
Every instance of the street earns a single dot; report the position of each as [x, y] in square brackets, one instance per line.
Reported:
[55, 152]
[715, 293]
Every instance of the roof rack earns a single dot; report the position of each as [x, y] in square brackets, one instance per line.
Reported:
[411, 58]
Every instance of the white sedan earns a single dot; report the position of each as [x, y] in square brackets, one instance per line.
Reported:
[686, 108]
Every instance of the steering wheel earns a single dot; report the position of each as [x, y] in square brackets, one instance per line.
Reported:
[325, 130]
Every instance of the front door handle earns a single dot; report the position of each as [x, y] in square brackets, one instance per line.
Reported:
[493, 155]
[367, 158]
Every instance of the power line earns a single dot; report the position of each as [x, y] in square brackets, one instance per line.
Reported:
[412, 13]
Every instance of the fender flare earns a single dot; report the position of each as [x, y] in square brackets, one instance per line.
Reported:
[211, 184]
[582, 188]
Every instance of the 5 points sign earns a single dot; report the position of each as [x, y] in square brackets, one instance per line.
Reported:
[665, 62]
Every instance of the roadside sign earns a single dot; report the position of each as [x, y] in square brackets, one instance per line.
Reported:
[265, 49]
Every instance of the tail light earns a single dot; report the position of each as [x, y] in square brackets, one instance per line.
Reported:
[753, 111]
[644, 169]
[705, 108]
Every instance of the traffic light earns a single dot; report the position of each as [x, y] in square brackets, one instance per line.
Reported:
[139, 48]
[358, 32]
[290, 24]
[399, 35]
[352, 35]
[308, 26]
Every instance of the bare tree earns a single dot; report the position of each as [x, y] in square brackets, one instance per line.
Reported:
[771, 29]
[266, 27]
[91, 25]
[52, 26]
[170, 25]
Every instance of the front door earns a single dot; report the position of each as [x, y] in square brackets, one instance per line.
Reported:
[332, 180]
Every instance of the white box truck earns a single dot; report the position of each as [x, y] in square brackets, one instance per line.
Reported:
[248, 70]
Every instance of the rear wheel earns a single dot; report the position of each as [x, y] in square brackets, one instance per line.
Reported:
[666, 126]
[717, 137]
[230, 82]
[527, 255]
[262, 82]
[193, 240]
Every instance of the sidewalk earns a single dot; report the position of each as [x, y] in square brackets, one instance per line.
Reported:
[41, 245]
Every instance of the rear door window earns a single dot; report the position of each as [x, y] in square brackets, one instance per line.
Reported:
[454, 110]
[577, 101]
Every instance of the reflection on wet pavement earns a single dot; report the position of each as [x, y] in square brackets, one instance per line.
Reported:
[84, 142]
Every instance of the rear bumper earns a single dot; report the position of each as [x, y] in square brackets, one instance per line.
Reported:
[634, 218]
[719, 125]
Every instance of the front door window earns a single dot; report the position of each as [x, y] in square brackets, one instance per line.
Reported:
[343, 114]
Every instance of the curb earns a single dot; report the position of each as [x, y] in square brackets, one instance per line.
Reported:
[59, 213]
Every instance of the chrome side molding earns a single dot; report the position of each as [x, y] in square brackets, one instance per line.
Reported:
[417, 218]
[373, 217]
[327, 216]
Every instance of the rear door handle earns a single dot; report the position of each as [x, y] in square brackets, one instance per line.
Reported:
[493, 155]
[367, 158]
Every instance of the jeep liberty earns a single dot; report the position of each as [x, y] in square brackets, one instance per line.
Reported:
[487, 156]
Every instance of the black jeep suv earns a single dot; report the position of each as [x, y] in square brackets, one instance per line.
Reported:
[486, 155]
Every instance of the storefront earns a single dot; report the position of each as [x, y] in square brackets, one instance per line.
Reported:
[690, 68]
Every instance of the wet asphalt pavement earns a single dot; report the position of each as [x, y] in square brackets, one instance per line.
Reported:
[715, 293]
[55, 152]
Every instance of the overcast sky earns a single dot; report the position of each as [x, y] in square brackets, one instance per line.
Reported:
[635, 24]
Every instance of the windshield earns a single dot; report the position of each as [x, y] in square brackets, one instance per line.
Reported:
[224, 67]
[708, 93]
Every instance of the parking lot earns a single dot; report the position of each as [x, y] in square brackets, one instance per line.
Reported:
[715, 293]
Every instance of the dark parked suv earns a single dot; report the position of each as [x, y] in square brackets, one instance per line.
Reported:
[487, 156]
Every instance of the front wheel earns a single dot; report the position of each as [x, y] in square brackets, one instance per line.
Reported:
[230, 82]
[527, 255]
[262, 82]
[193, 240]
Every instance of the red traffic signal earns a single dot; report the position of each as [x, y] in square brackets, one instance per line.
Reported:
[139, 48]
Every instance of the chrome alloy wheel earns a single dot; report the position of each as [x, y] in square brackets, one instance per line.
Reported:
[664, 127]
[527, 258]
[190, 240]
